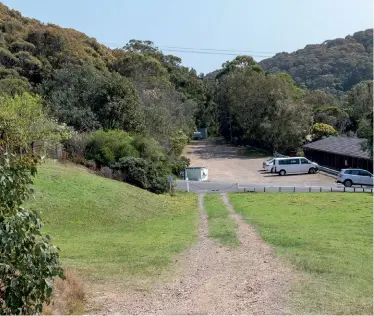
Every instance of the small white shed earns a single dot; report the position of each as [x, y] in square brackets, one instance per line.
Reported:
[196, 173]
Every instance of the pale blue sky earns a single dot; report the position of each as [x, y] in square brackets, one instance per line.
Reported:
[241, 25]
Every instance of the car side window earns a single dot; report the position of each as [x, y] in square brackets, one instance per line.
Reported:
[295, 161]
[364, 173]
[348, 171]
[304, 161]
[355, 172]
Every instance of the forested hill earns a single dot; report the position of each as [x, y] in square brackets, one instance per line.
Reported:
[139, 90]
[335, 65]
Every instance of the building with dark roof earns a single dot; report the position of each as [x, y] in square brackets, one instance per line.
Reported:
[339, 153]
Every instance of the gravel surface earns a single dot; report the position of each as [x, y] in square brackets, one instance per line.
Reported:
[227, 163]
[212, 279]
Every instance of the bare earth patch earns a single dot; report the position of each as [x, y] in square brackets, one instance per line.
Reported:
[212, 279]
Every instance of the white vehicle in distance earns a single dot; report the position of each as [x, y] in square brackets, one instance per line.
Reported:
[271, 166]
[267, 163]
[348, 177]
[284, 166]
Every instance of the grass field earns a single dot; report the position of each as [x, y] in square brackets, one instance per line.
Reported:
[221, 226]
[107, 228]
[327, 235]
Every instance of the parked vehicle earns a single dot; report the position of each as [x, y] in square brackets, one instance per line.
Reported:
[282, 166]
[271, 166]
[267, 163]
[349, 177]
[197, 135]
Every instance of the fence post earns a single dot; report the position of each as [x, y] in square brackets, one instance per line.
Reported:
[344, 189]
[237, 186]
[310, 189]
[280, 189]
[254, 189]
[371, 190]
[188, 186]
[354, 189]
[244, 189]
[320, 189]
[331, 189]
[294, 189]
[264, 189]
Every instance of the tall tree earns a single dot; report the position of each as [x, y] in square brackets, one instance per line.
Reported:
[88, 99]
[28, 260]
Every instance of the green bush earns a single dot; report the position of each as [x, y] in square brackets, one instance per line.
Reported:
[177, 143]
[178, 164]
[143, 174]
[8, 72]
[106, 147]
[148, 148]
[7, 58]
[21, 45]
[14, 86]
[322, 130]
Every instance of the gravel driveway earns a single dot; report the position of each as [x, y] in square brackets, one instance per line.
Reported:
[227, 163]
[214, 280]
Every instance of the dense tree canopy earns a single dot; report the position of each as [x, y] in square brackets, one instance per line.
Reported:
[335, 65]
[139, 89]
[265, 109]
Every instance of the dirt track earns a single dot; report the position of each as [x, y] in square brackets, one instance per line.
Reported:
[227, 163]
[213, 280]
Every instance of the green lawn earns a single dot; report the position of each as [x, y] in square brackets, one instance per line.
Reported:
[107, 228]
[327, 235]
[221, 226]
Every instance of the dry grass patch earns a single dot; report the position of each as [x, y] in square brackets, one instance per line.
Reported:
[68, 297]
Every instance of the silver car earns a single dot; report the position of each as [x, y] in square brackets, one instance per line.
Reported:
[355, 176]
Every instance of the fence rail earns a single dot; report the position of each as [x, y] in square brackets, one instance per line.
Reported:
[209, 187]
[305, 189]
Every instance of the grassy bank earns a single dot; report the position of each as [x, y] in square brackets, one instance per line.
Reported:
[329, 236]
[107, 228]
[221, 226]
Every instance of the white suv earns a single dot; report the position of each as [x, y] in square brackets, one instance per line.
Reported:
[355, 176]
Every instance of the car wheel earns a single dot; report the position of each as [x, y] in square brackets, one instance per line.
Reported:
[348, 183]
[312, 171]
[282, 172]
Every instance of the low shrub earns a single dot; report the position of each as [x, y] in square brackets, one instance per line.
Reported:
[148, 148]
[178, 164]
[75, 146]
[143, 174]
[106, 147]
[106, 172]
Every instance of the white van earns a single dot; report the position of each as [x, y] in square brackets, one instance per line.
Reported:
[294, 165]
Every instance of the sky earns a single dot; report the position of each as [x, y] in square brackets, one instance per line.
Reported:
[258, 28]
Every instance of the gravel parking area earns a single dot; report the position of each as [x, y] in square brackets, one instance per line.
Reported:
[228, 163]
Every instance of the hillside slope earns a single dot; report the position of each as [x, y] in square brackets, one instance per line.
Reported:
[30, 49]
[107, 228]
[335, 65]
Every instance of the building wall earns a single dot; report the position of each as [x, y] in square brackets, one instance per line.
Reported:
[337, 162]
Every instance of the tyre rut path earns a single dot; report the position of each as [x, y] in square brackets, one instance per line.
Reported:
[213, 279]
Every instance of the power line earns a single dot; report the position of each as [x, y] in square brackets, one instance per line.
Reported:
[208, 53]
[216, 50]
